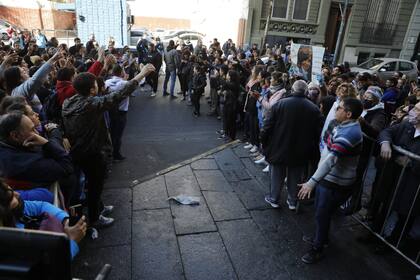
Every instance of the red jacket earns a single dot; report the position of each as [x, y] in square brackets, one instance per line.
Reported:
[66, 90]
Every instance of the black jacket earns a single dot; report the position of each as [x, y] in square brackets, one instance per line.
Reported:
[372, 124]
[402, 135]
[84, 123]
[231, 93]
[198, 83]
[36, 167]
[291, 131]
[155, 58]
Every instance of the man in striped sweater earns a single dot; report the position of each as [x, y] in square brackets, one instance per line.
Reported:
[335, 175]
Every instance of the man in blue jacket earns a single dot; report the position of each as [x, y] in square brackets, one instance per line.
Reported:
[27, 158]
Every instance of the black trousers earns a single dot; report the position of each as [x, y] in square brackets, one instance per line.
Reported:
[229, 121]
[195, 100]
[153, 79]
[118, 120]
[183, 81]
[254, 129]
[94, 168]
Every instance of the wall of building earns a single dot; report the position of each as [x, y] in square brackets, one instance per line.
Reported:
[352, 46]
[151, 23]
[412, 34]
[32, 18]
[311, 30]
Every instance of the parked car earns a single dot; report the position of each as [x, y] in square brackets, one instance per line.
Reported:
[385, 67]
[159, 32]
[184, 35]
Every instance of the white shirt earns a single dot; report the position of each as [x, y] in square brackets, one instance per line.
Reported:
[417, 133]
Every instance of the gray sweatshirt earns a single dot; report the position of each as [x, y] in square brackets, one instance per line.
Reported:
[29, 87]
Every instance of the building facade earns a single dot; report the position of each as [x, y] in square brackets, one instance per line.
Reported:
[374, 28]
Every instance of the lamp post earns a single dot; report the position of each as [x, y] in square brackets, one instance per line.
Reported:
[266, 25]
[343, 13]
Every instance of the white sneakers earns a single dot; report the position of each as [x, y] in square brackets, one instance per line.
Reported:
[291, 206]
[266, 169]
[261, 161]
[254, 149]
[249, 146]
[153, 94]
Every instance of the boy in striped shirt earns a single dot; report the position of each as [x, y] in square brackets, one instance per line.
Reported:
[335, 174]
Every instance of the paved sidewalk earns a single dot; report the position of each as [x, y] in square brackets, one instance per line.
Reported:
[232, 234]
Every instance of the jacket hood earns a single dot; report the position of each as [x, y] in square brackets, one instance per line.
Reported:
[63, 84]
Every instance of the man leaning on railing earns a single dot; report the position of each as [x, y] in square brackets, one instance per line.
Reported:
[400, 197]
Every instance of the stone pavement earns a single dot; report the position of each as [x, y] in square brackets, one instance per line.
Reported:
[232, 234]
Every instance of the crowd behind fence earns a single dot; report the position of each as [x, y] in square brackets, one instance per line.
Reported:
[382, 219]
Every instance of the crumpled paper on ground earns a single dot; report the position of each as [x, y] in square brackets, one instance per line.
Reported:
[186, 199]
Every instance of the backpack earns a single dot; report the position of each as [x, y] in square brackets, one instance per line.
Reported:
[51, 108]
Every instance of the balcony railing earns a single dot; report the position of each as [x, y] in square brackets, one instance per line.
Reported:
[377, 33]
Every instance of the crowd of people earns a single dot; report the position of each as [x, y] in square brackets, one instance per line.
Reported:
[63, 112]
[62, 116]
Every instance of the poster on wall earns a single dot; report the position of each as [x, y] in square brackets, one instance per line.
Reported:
[307, 62]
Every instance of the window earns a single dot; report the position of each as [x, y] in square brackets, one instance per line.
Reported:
[380, 22]
[362, 57]
[406, 66]
[280, 8]
[371, 64]
[300, 9]
[390, 66]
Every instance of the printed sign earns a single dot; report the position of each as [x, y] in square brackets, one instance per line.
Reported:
[307, 62]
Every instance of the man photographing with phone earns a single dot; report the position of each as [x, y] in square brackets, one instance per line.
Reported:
[84, 123]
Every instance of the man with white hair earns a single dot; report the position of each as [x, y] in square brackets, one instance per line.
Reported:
[290, 137]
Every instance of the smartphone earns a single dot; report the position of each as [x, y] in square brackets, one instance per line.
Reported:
[76, 213]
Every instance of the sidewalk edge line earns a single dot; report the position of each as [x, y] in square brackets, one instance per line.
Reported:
[185, 162]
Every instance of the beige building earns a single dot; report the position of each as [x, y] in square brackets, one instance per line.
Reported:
[374, 28]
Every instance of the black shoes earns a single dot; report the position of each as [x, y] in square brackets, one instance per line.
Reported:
[119, 157]
[312, 256]
[310, 240]
[165, 93]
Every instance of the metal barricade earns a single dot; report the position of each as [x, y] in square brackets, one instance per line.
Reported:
[405, 165]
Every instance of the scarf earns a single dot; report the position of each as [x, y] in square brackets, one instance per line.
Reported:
[380, 105]
[274, 89]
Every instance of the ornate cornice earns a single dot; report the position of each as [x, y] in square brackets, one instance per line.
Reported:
[290, 27]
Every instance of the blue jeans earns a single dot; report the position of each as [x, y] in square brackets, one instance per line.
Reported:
[326, 202]
[172, 76]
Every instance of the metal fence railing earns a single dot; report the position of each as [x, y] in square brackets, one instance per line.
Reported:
[386, 202]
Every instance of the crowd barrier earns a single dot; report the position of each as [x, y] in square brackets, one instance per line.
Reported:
[386, 200]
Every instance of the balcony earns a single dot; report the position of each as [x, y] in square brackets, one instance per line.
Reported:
[377, 33]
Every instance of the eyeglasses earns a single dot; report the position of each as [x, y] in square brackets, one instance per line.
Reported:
[341, 108]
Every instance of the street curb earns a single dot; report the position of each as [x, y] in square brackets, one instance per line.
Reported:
[185, 162]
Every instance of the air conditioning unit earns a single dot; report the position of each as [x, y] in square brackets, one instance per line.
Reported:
[130, 20]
